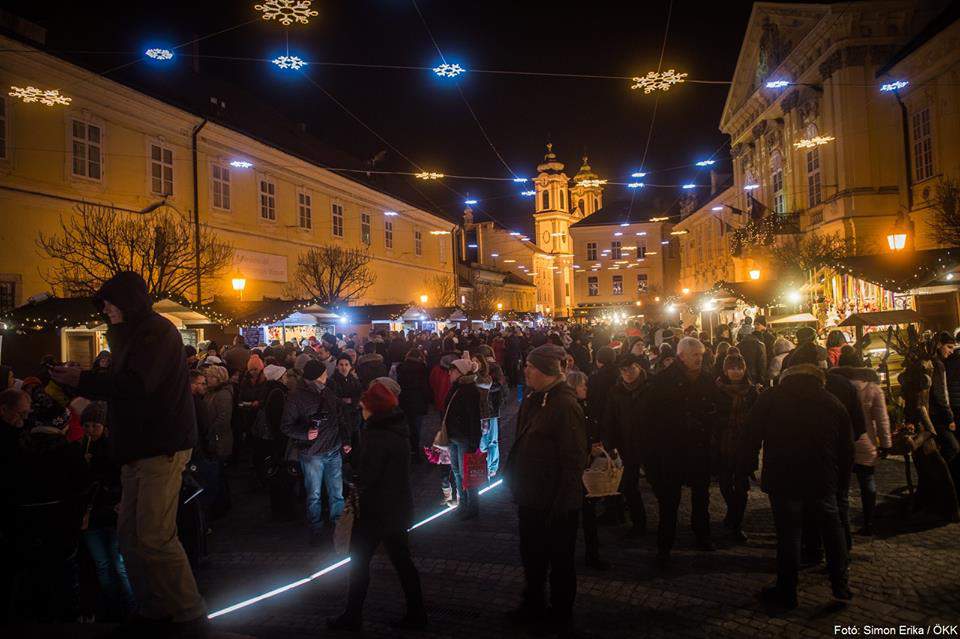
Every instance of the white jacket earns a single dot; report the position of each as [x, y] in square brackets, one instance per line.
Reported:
[875, 408]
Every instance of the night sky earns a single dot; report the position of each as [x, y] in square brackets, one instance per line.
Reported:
[423, 116]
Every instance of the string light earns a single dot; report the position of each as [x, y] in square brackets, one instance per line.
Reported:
[717, 208]
[591, 183]
[426, 175]
[515, 233]
[439, 232]
[654, 81]
[527, 194]
[659, 219]
[159, 54]
[469, 202]
[625, 224]
[449, 70]
[289, 62]
[706, 162]
[751, 187]
[286, 12]
[893, 86]
[809, 143]
[391, 213]
[683, 232]
[48, 97]
[241, 164]
[516, 179]
[689, 186]
[635, 185]
[638, 174]
[777, 84]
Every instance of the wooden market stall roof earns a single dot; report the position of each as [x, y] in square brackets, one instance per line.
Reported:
[883, 318]
[904, 270]
[764, 292]
[266, 311]
[48, 312]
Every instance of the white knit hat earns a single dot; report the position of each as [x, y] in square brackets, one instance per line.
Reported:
[465, 365]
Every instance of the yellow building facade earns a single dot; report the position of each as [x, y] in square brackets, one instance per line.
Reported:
[114, 146]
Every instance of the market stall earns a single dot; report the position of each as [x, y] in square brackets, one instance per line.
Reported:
[268, 320]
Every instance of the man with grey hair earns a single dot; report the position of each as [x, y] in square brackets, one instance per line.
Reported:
[681, 410]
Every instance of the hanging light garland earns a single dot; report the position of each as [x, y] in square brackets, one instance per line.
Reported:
[49, 97]
[809, 143]
[286, 12]
[427, 175]
[449, 70]
[159, 54]
[289, 62]
[655, 81]
[591, 183]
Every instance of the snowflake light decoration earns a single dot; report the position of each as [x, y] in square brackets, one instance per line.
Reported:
[290, 62]
[286, 12]
[591, 183]
[654, 81]
[449, 70]
[525, 194]
[809, 143]
[425, 175]
[894, 86]
[48, 97]
[159, 54]
[241, 164]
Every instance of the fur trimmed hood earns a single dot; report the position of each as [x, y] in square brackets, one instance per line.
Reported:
[370, 357]
[857, 373]
[805, 369]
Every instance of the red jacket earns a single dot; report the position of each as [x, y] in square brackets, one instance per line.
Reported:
[440, 385]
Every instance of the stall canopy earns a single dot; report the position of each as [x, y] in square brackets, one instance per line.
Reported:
[270, 311]
[796, 318]
[883, 318]
[374, 313]
[905, 270]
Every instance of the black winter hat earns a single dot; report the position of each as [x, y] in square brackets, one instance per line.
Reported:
[128, 292]
[313, 369]
[629, 359]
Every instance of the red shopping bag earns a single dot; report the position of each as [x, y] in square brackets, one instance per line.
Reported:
[474, 469]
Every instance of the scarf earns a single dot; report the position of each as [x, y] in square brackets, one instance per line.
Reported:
[738, 393]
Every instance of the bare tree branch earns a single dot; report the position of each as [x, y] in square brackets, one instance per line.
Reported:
[799, 254]
[482, 297]
[945, 224]
[333, 274]
[443, 290]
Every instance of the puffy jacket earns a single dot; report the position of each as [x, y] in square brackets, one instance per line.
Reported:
[383, 473]
[622, 420]
[219, 403]
[546, 463]
[310, 406]
[874, 404]
[147, 387]
[463, 411]
[806, 435]
[755, 355]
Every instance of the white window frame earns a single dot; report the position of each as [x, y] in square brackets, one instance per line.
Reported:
[616, 250]
[593, 286]
[776, 184]
[591, 251]
[267, 198]
[442, 250]
[921, 134]
[388, 234]
[224, 180]
[305, 209]
[336, 219]
[164, 167]
[86, 145]
[616, 286]
[366, 228]
[417, 242]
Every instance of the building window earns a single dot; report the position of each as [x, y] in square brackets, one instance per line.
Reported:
[365, 228]
[596, 202]
[582, 206]
[336, 217]
[563, 201]
[546, 200]
[161, 170]
[618, 284]
[221, 187]
[87, 150]
[616, 251]
[442, 250]
[641, 249]
[776, 180]
[593, 286]
[388, 233]
[8, 296]
[641, 282]
[922, 145]
[418, 242]
[814, 185]
[268, 199]
[305, 210]
[3, 129]
[592, 251]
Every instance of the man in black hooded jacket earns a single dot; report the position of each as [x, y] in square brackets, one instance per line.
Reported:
[147, 390]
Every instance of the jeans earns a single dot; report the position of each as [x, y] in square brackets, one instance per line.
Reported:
[868, 492]
[548, 547]
[490, 444]
[630, 487]
[363, 544]
[104, 547]
[734, 488]
[668, 500]
[788, 514]
[159, 571]
[319, 470]
[470, 497]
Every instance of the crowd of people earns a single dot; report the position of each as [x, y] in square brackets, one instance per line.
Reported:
[108, 463]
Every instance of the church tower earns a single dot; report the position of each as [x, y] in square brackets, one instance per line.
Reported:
[586, 196]
[552, 220]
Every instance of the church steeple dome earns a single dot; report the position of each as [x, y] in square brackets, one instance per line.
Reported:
[586, 200]
[585, 172]
[550, 165]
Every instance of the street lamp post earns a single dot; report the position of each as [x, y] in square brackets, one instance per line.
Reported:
[239, 283]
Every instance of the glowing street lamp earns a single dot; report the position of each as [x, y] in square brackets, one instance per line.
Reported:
[794, 297]
[499, 306]
[755, 274]
[423, 299]
[897, 238]
[239, 283]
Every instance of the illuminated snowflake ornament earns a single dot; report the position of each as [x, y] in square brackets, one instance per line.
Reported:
[654, 81]
[809, 143]
[426, 175]
[286, 12]
[48, 97]
[159, 54]
[449, 70]
[591, 183]
[289, 62]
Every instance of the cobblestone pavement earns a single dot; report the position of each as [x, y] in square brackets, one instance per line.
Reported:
[906, 575]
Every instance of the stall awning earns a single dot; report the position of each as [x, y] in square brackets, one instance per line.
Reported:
[46, 312]
[905, 270]
[883, 318]
[796, 318]
[373, 313]
[446, 314]
[269, 311]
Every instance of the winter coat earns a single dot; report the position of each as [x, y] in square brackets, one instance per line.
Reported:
[940, 412]
[806, 435]
[348, 387]
[781, 347]
[383, 473]
[105, 474]
[874, 403]
[769, 340]
[599, 386]
[397, 350]
[147, 387]
[581, 357]
[415, 393]
[440, 386]
[755, 355]
[952, 370]
[621, 426]
[236, 357]
[733, 406]
[206, 447]
[370, 367]
[219, 403]
[546, 463]
[682, 416]
[844, 390]
[266, 421]
[462, 411]
[310, 406]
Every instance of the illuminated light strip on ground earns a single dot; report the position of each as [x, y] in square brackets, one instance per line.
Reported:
[331, 567]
